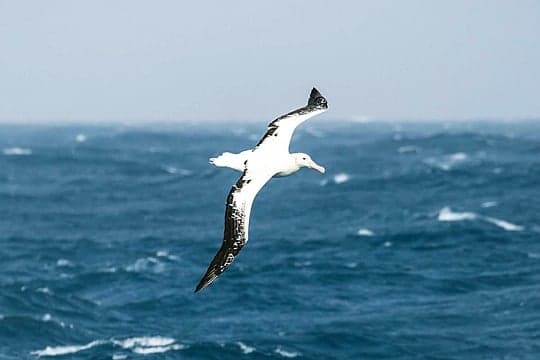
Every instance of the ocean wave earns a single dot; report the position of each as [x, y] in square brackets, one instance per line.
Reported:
[506, 225]
[446, 214]
[146, 264]
[80, 138]
[245, 348]
[17, 151]
[165, 254]
[408, 149]
[488, 204]
[341, 178]
[287, 354]
[365, 232]
[144, 341]
[44, 290]
[66, 349]
[64, 263]
[447, 162]
[139, 345]
[179, 171]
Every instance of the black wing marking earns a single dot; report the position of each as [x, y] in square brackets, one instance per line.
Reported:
[235, 236]
[285, 125]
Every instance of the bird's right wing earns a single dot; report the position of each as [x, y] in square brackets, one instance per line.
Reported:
[237, 212]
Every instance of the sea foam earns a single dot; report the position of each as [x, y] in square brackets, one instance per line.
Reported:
[287, 354]
[447, 162]
[245, 348]
[64, 350]
[365, 232]
[341, 178]
[139, 345]
[446, 214]
[17, 151]
[508, 226]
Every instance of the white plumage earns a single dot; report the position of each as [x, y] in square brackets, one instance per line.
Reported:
[269, 158]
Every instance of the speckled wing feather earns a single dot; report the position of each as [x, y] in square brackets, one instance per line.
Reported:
[280, 131]
[237, 212]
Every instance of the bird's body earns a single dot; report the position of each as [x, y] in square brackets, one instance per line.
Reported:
[270, 158]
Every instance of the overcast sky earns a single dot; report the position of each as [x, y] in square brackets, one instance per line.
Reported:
[252, 60]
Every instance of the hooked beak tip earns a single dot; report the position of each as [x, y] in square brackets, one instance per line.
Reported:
[319, 168]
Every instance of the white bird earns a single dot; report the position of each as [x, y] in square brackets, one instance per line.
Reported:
[268, 159]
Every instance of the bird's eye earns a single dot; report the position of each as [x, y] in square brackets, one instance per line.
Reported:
[303, 158]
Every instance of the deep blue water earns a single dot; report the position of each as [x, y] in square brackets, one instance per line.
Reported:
[421, 242]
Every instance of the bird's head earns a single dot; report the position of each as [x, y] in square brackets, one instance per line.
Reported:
[304, 160]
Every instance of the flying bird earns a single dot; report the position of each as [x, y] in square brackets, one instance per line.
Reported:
[270, 158]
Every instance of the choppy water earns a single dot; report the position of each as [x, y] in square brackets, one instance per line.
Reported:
[420, 242]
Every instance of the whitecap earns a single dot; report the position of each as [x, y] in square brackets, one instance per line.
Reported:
[145, 341]
[365, 232]
[162, 253]
[460, 156]
[146, 264]
[64, 350]
[64, 263]
[80, 138]
[446, 214]
[156, 349]
[185, 172]
[119, 356]
[17, 151]
[149, 344]
[287, 354]
[46, 317]
[44, 290]
[488, 204]
[245, 348]
[179, 171]
[447, 162]
[341, 178]
[170, 169]
[387, 244]
[508, 226]
[408, 149]
[139, 345]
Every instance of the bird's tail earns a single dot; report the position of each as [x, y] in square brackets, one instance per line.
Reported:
[222, 160]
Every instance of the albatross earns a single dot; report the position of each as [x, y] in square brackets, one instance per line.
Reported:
[270, 158]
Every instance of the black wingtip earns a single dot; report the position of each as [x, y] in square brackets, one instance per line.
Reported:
[316, 99]
[206, 280]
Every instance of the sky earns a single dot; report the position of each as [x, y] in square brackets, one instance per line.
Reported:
[131, 60]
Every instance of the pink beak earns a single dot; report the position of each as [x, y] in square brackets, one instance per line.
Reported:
[315, 166]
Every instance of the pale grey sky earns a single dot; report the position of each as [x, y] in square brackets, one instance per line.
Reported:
[252, 60]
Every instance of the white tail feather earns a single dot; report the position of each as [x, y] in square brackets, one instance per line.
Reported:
[230, 160]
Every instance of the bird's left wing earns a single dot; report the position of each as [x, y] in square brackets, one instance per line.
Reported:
[280, 131]
[237, 212]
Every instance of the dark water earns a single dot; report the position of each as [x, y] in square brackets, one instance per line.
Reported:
[420, 242]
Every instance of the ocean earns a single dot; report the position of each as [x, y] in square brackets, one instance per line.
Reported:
[422, 241]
